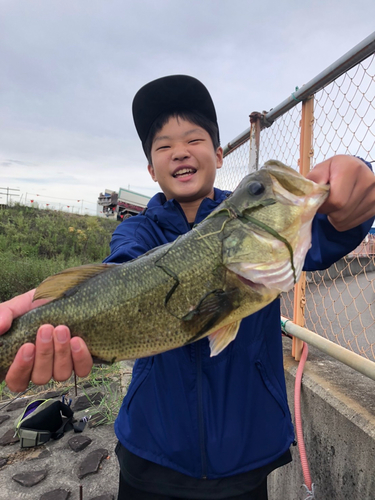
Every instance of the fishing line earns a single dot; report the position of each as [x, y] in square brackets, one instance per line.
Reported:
[274, 233]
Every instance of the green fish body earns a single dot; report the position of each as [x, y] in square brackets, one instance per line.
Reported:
[236, 261]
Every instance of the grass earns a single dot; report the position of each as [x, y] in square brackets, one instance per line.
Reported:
[109, 406]
[105, 377]
[35, 244]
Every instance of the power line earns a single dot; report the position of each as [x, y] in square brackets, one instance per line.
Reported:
[57, 198]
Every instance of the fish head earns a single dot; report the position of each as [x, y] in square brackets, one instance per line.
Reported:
[266, 241]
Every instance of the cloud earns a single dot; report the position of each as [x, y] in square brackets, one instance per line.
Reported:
[15, 163]
[70, 71]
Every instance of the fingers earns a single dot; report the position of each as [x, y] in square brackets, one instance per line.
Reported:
[351, 200]
[54, 356]
[19, 373]
[57, 355]
[62, 362]
[16, 307]
[13, 308]
[82, 360]
[6, 318]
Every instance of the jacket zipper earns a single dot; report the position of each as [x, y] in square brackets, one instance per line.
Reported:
[187, 225]
[200, 411]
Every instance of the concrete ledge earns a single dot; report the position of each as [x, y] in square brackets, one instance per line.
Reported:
[338, 413]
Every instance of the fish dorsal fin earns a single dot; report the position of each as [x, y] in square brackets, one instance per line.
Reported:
[222, 337]
[54, 287]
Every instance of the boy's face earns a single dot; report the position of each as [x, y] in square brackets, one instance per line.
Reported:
[184, 161]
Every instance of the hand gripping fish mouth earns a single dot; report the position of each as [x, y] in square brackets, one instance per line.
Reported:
[285, 247]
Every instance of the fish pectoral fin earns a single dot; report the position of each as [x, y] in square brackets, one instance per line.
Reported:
[54, 287]
[222, 337]
[211, 310]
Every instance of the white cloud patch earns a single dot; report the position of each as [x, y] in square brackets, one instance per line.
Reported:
[70, 71]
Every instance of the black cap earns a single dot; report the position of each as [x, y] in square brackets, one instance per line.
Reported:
[170, 94]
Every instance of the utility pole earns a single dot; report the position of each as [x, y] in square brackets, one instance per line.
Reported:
[8, 194]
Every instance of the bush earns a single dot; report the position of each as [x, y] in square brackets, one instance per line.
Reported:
[35, 244]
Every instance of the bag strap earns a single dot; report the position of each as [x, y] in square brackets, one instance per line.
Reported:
[66, 426]
[30, 437]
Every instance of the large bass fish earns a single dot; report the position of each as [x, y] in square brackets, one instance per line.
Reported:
[236, 261]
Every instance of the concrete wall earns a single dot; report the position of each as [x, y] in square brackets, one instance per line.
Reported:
[338, 412]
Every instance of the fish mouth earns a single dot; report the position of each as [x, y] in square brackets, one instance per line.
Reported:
[278, 276]
[290, 188]
[257, 287]
[183, 171]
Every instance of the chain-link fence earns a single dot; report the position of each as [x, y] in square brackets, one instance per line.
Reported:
[339, 303]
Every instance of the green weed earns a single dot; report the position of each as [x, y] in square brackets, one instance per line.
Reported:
[35, 244]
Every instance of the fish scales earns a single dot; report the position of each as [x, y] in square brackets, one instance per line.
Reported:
[232, 264]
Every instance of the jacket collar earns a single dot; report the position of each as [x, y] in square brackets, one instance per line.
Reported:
[168, 213]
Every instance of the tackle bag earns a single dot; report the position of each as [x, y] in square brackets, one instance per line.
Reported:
[45, 419]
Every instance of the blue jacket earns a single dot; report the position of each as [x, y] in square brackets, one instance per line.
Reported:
[220, 416]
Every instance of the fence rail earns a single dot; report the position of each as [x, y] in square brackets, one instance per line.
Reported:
[332, 114]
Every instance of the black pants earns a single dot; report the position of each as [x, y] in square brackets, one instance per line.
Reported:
[127, 492]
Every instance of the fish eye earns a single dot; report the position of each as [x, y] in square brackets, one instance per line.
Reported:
[256, 188]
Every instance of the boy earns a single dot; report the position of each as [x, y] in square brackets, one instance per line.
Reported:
[192, 426]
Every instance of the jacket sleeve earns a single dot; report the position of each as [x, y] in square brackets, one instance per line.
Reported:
[329, 245]
[128, 241]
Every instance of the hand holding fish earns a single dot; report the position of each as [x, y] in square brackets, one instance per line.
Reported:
[52, 356]
[247, 251]
[351, 200]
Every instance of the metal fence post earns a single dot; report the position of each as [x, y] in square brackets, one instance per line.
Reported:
[306, 153]
[255, 128]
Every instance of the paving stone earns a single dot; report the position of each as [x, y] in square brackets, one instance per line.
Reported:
[84, 402]
[39, 453]
[18, 404]
[107, 496]
[16, 464]
[4, 418]
[79, 443]
[9, 438]
[29, 479]
[92, 462]
[96, 420]
[58, 494]
[54, 394]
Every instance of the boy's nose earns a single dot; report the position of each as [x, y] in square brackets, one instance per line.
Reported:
[180, 153]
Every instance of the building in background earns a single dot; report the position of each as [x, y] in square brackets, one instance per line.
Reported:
[107, 203]
[120, 205]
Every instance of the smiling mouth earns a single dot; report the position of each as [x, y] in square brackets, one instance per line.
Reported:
[183, 172]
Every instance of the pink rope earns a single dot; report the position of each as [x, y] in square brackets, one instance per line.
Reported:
[298, 418]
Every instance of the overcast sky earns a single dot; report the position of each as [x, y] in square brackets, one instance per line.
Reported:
[70, 69]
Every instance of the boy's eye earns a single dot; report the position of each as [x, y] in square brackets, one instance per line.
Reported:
[195, 140]
[162, 147]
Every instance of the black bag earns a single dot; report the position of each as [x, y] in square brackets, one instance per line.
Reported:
[45, 419]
